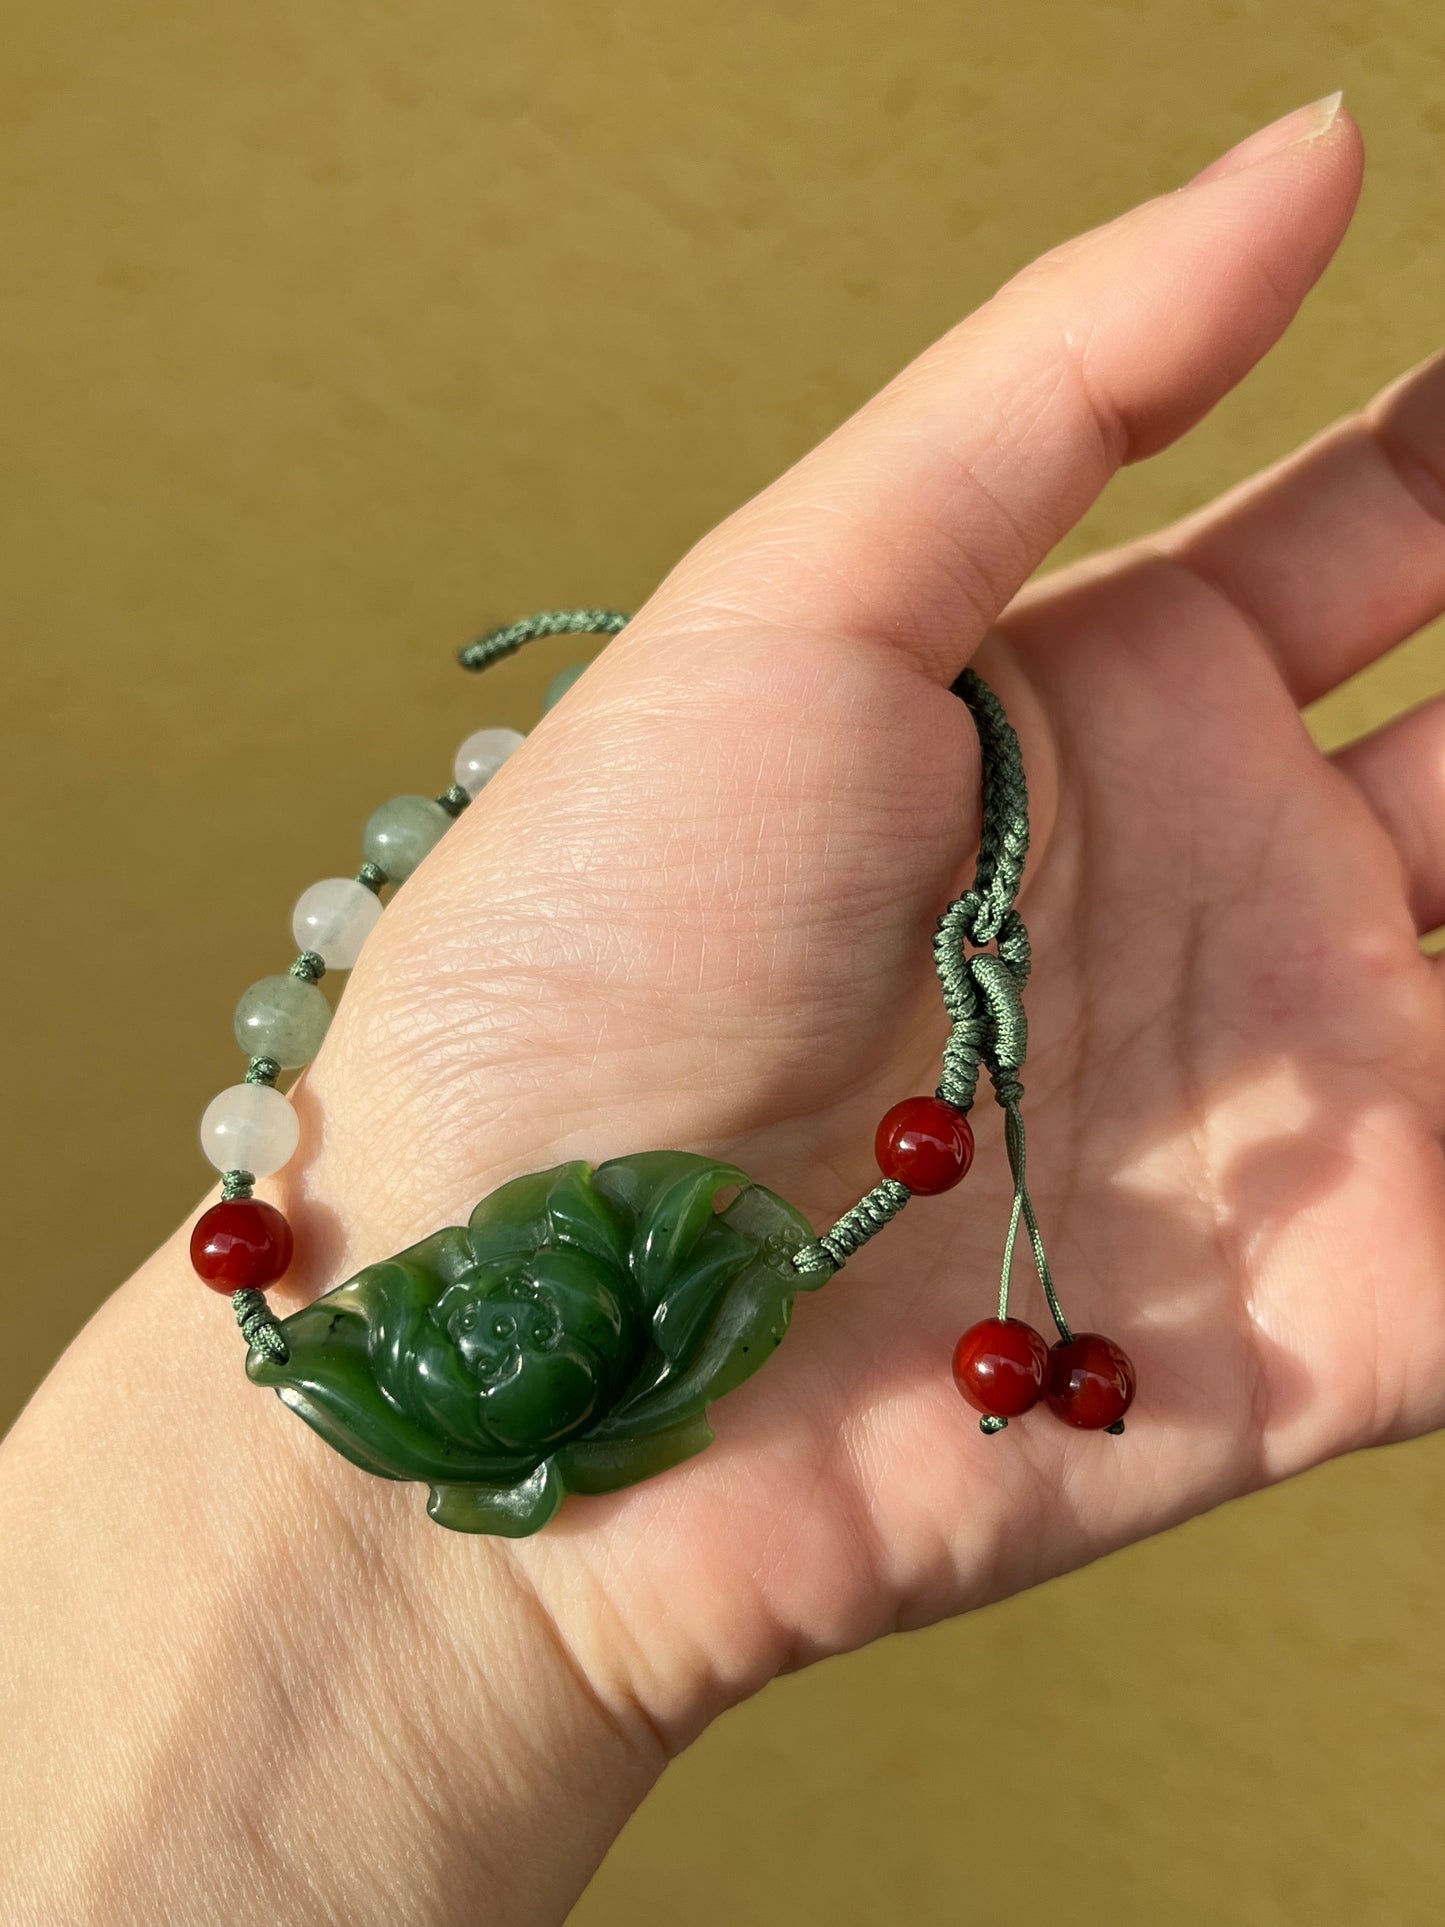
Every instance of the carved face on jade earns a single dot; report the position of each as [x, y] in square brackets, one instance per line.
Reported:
[547, 1338]
[569, 1337]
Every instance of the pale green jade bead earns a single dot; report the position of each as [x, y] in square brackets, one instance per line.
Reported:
[399, 834]
[560, 684]
[284, 1018]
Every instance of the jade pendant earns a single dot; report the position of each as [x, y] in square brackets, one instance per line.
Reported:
[568, 1338]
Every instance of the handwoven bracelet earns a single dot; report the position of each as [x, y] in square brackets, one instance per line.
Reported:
[571, 1335]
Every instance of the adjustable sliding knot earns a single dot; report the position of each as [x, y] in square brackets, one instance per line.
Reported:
[983, 995]
[1007, 1027]
[982, 992]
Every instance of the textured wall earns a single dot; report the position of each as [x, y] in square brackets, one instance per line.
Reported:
[329, 334]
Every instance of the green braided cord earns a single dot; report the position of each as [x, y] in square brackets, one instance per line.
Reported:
[259, 1325]
[310, 967]
[372, 876]
[836, 1246]
[454, 800]
[985, 913]
[236, 1184]
[262, 1070]
[497, 643]
[1004, 842]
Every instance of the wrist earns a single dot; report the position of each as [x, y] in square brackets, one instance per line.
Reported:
[246, 1684]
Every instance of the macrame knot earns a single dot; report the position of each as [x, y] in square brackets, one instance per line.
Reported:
[983, 995]
[1006, 1042]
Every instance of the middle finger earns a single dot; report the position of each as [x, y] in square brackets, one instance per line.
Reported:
[1334, 554]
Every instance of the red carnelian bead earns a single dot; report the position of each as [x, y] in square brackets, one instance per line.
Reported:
[1091, 1381]
[1000, 1366]
[924, 1143]
[241, 1242]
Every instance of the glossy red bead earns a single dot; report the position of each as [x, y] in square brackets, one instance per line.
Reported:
[924, 1143]
[1091, 1381]
[241, 1242]
[1000, 1366]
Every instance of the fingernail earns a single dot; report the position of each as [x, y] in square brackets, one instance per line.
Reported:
[1304, 124]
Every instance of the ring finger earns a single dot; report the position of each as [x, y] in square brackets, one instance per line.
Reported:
[1334, 554]
[1400, 769]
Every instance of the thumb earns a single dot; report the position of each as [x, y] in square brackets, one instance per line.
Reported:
[915, 521]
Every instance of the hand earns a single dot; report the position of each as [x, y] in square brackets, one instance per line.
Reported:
[695, 911]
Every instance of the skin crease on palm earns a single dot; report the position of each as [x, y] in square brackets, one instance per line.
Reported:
[695, 910]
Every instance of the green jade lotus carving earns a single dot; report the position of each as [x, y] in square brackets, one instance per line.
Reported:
[568, 1338]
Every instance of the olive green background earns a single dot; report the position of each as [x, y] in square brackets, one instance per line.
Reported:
[333, 333]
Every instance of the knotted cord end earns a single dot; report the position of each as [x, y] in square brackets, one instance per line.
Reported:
[505, 641]
[853, 1230]
[259, 1325]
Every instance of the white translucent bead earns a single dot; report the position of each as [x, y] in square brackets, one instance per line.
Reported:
[250, 1127]
[334, 918]
[483, 754]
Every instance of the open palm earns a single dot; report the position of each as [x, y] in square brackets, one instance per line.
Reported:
[695, 911]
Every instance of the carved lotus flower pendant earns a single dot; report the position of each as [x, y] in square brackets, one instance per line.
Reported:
[568, 1338]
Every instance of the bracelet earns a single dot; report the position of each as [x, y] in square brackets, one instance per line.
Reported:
[571, 1335]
